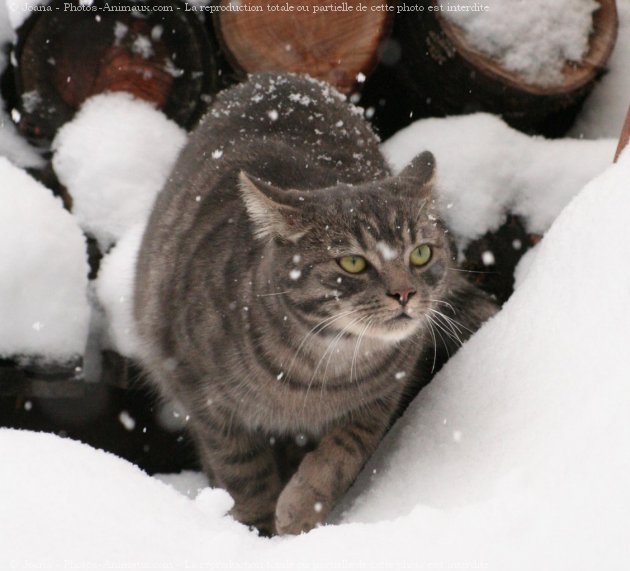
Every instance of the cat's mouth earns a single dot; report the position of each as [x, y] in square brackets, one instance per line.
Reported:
[402, 316]
[386, 327]
[397, 327]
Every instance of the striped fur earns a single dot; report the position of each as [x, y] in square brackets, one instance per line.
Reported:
[250, 323]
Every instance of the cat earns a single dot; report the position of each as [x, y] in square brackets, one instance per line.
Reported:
[288, 291]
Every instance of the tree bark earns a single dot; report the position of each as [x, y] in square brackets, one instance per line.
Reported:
[624, 137]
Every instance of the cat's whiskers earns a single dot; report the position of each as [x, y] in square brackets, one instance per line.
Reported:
[454, 325]
[454, 269]
[270, 294]
[447, 330]
[336, 341]
[438, 330]
[333, 343]
[430, 324]
[449, 305]
[356, 351]
[318, 328]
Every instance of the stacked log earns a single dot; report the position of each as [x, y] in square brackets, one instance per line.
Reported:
[337, 45]
[64, 57]
[447, 75]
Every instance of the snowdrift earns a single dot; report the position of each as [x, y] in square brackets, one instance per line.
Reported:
[516, 457]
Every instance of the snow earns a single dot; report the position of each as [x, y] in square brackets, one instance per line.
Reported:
[487, 258]
[114, 158]
[539, 395]
[485, 168]
[515, 457]
[20, 10]
[606, 107]
[386, 251]
[493, 458]
[43, 275]
[534, 38]
[13, 147]
[7, 34]
[114, 291]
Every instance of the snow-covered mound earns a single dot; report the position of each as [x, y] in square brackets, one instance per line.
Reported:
[515, 457]
[14, 147]
[43, 272]
[486, 169]
[606, 106]
[114, 290]
[535, 404]
[113, 158]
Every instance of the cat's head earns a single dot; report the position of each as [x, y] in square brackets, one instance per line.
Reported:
[370, 258]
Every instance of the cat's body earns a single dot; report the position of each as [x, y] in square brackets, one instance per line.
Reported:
[249, 321]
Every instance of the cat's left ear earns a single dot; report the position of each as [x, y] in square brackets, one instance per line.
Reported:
[274, 212]
[420, 171]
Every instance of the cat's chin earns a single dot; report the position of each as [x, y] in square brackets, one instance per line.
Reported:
[394, 330]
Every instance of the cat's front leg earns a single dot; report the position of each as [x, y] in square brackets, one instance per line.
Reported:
[242, 463]
[328, 471]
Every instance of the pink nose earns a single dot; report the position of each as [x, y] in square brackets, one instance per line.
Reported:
[402, 294]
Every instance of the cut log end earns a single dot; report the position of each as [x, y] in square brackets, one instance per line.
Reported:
[440, 67]
[575, 75]
[334, 46]
[66, 57]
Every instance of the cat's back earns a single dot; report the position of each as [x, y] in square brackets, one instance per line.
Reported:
[290, 130]
[287, 129]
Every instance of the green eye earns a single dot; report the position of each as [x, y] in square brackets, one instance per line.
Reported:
[353, 264]
[420, 255]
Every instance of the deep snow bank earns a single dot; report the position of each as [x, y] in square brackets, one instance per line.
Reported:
[486, 169]
[44, 309]
[515, 457]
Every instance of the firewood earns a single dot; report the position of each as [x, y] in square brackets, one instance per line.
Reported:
[305, 36]
[64, 57]
[449, 76]
[624, 138]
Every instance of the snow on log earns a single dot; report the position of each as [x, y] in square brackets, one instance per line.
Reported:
[43, 287]
[528, 62]
[113, 158]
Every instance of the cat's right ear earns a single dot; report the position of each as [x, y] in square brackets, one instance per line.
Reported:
[421, 170]
[274, 212]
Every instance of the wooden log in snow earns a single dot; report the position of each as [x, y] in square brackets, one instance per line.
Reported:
[64, 57]
[447, 74]
[303, 36]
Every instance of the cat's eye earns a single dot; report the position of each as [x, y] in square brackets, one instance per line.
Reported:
[353, 264]
[421, 255]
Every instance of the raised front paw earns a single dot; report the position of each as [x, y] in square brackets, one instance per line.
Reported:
[300, 508]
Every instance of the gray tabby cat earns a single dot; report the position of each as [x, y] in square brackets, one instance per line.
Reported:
[287, 287]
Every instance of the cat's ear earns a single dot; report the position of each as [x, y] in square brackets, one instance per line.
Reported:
[275, 212]
[420, 171]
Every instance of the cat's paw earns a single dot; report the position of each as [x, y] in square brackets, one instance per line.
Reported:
[299, 509]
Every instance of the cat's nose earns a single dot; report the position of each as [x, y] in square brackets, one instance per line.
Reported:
[403, 295]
